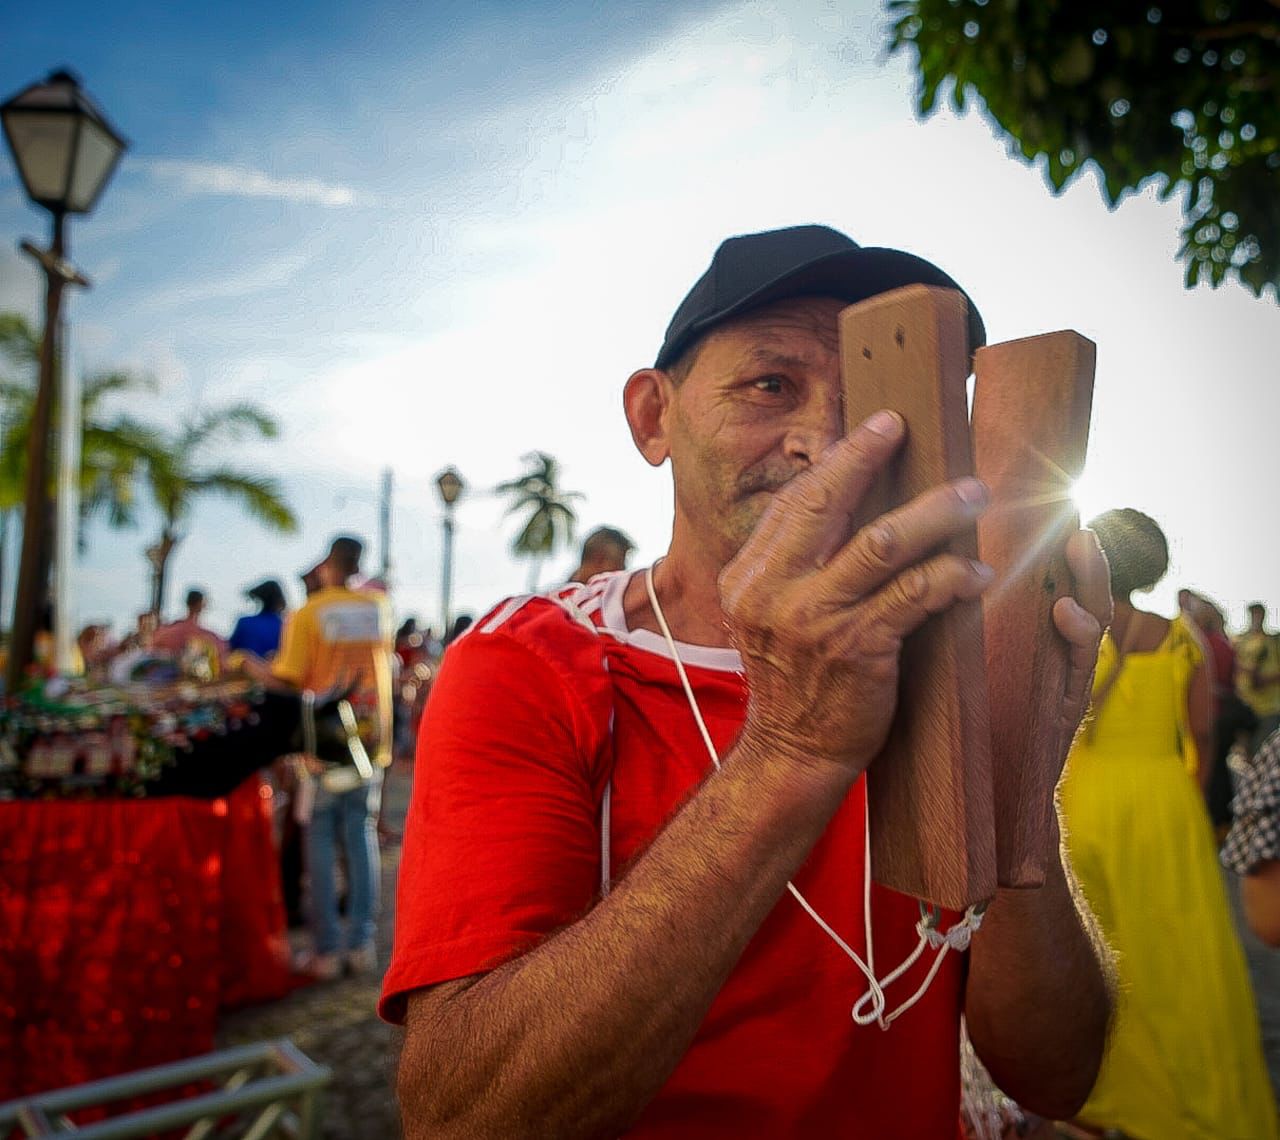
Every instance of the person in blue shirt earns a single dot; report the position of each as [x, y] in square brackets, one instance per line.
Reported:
[259, 633]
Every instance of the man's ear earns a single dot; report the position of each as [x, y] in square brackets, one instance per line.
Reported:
[647, 399]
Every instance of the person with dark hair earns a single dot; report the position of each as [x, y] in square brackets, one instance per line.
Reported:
[604, 550]
[1184, 1057]
[259, 633]
[340, 641]
[617, 784]
[461, 624]
[179, 636]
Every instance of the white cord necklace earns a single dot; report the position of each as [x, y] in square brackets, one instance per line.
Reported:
[870, 1007]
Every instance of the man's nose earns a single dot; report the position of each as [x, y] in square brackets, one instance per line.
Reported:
[813, 428]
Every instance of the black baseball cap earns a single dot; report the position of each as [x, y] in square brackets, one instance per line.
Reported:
[801, 261]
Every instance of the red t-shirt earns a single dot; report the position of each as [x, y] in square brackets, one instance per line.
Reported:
[502, 848]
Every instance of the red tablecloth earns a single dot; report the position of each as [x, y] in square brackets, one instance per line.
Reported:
[254, 938]
[124, 924]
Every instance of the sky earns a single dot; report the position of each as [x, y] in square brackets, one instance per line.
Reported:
[425, 235]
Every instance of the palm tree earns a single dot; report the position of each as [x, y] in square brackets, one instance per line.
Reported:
[549, 518]
[176, 478]
[112, 452]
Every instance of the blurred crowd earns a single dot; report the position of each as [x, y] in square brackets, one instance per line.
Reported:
[328, 823]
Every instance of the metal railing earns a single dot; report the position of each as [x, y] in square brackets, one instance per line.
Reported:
[268, 1089]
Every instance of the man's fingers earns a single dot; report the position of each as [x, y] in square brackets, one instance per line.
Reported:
[896, 540]
[1092, 575]
[809, 517]
[1082, 631]
[899, 608]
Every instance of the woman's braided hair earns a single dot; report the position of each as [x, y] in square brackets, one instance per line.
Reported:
[1136, 549]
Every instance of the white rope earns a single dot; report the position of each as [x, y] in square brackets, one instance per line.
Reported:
[957, 938]
[606, 871]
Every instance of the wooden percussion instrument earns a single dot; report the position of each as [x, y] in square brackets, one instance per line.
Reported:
[1031, 405]
[930, 790]
[960, 796]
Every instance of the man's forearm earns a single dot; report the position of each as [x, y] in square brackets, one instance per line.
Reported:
[1039, 995]
[577, 1036]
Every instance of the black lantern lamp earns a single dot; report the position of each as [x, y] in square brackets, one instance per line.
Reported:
[65, 151]
[450, 485]
[63, 145]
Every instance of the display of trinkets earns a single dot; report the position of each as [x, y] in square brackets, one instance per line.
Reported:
[62, 740]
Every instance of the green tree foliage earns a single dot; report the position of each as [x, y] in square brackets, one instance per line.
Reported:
[548, 516]
[1183, 92]
[113, 450]
[177, 477]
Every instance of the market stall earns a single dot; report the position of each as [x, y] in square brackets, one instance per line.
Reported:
[136, 887]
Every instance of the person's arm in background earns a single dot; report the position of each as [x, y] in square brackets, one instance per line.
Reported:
[1200, 720]
[289, 666]
[1260, 893]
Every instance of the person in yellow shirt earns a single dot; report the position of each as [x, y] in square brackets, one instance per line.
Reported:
[341, 640]
[1258, 673]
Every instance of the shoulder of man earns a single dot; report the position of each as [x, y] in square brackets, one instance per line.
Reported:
[556, 628]
[558, 620]
[539, 651]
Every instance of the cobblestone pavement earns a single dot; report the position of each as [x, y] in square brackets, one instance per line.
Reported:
[334, 1023]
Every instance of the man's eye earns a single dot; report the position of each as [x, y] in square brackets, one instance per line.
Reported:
[770, 384]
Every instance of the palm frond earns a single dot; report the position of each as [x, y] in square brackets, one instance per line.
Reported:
[97, 386]
[548, 516]
[232, 421]
[19, 340]
[260, 495]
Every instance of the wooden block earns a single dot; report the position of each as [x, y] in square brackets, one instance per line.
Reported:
[932, 830]
[1031, 406]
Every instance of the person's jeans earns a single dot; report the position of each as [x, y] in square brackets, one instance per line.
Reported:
[349, 818]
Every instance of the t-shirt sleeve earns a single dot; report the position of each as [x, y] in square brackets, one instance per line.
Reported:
[290, 664]
[1254, 837]
[502, 842]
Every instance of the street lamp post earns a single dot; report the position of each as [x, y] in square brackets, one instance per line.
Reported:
[450, 485]
[65, 151]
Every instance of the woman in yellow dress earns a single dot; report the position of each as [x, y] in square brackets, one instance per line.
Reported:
[1185, 1055]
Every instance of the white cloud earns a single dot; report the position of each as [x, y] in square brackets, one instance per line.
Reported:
[540, 268]
[223, 180]
[270, 273]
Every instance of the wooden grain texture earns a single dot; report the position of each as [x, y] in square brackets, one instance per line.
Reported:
[1031, 406]
[932, 829]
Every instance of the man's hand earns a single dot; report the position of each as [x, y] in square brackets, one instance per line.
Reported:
[1081, 619]
[819, 617]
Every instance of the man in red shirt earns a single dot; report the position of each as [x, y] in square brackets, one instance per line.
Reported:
[177, 636]
[617, 784]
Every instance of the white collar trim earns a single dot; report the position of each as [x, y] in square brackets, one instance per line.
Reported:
[613, 620]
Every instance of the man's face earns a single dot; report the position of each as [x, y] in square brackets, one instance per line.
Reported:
[760, 404]
[1257, 615]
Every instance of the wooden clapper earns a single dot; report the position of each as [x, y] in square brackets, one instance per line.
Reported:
[960, 797]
